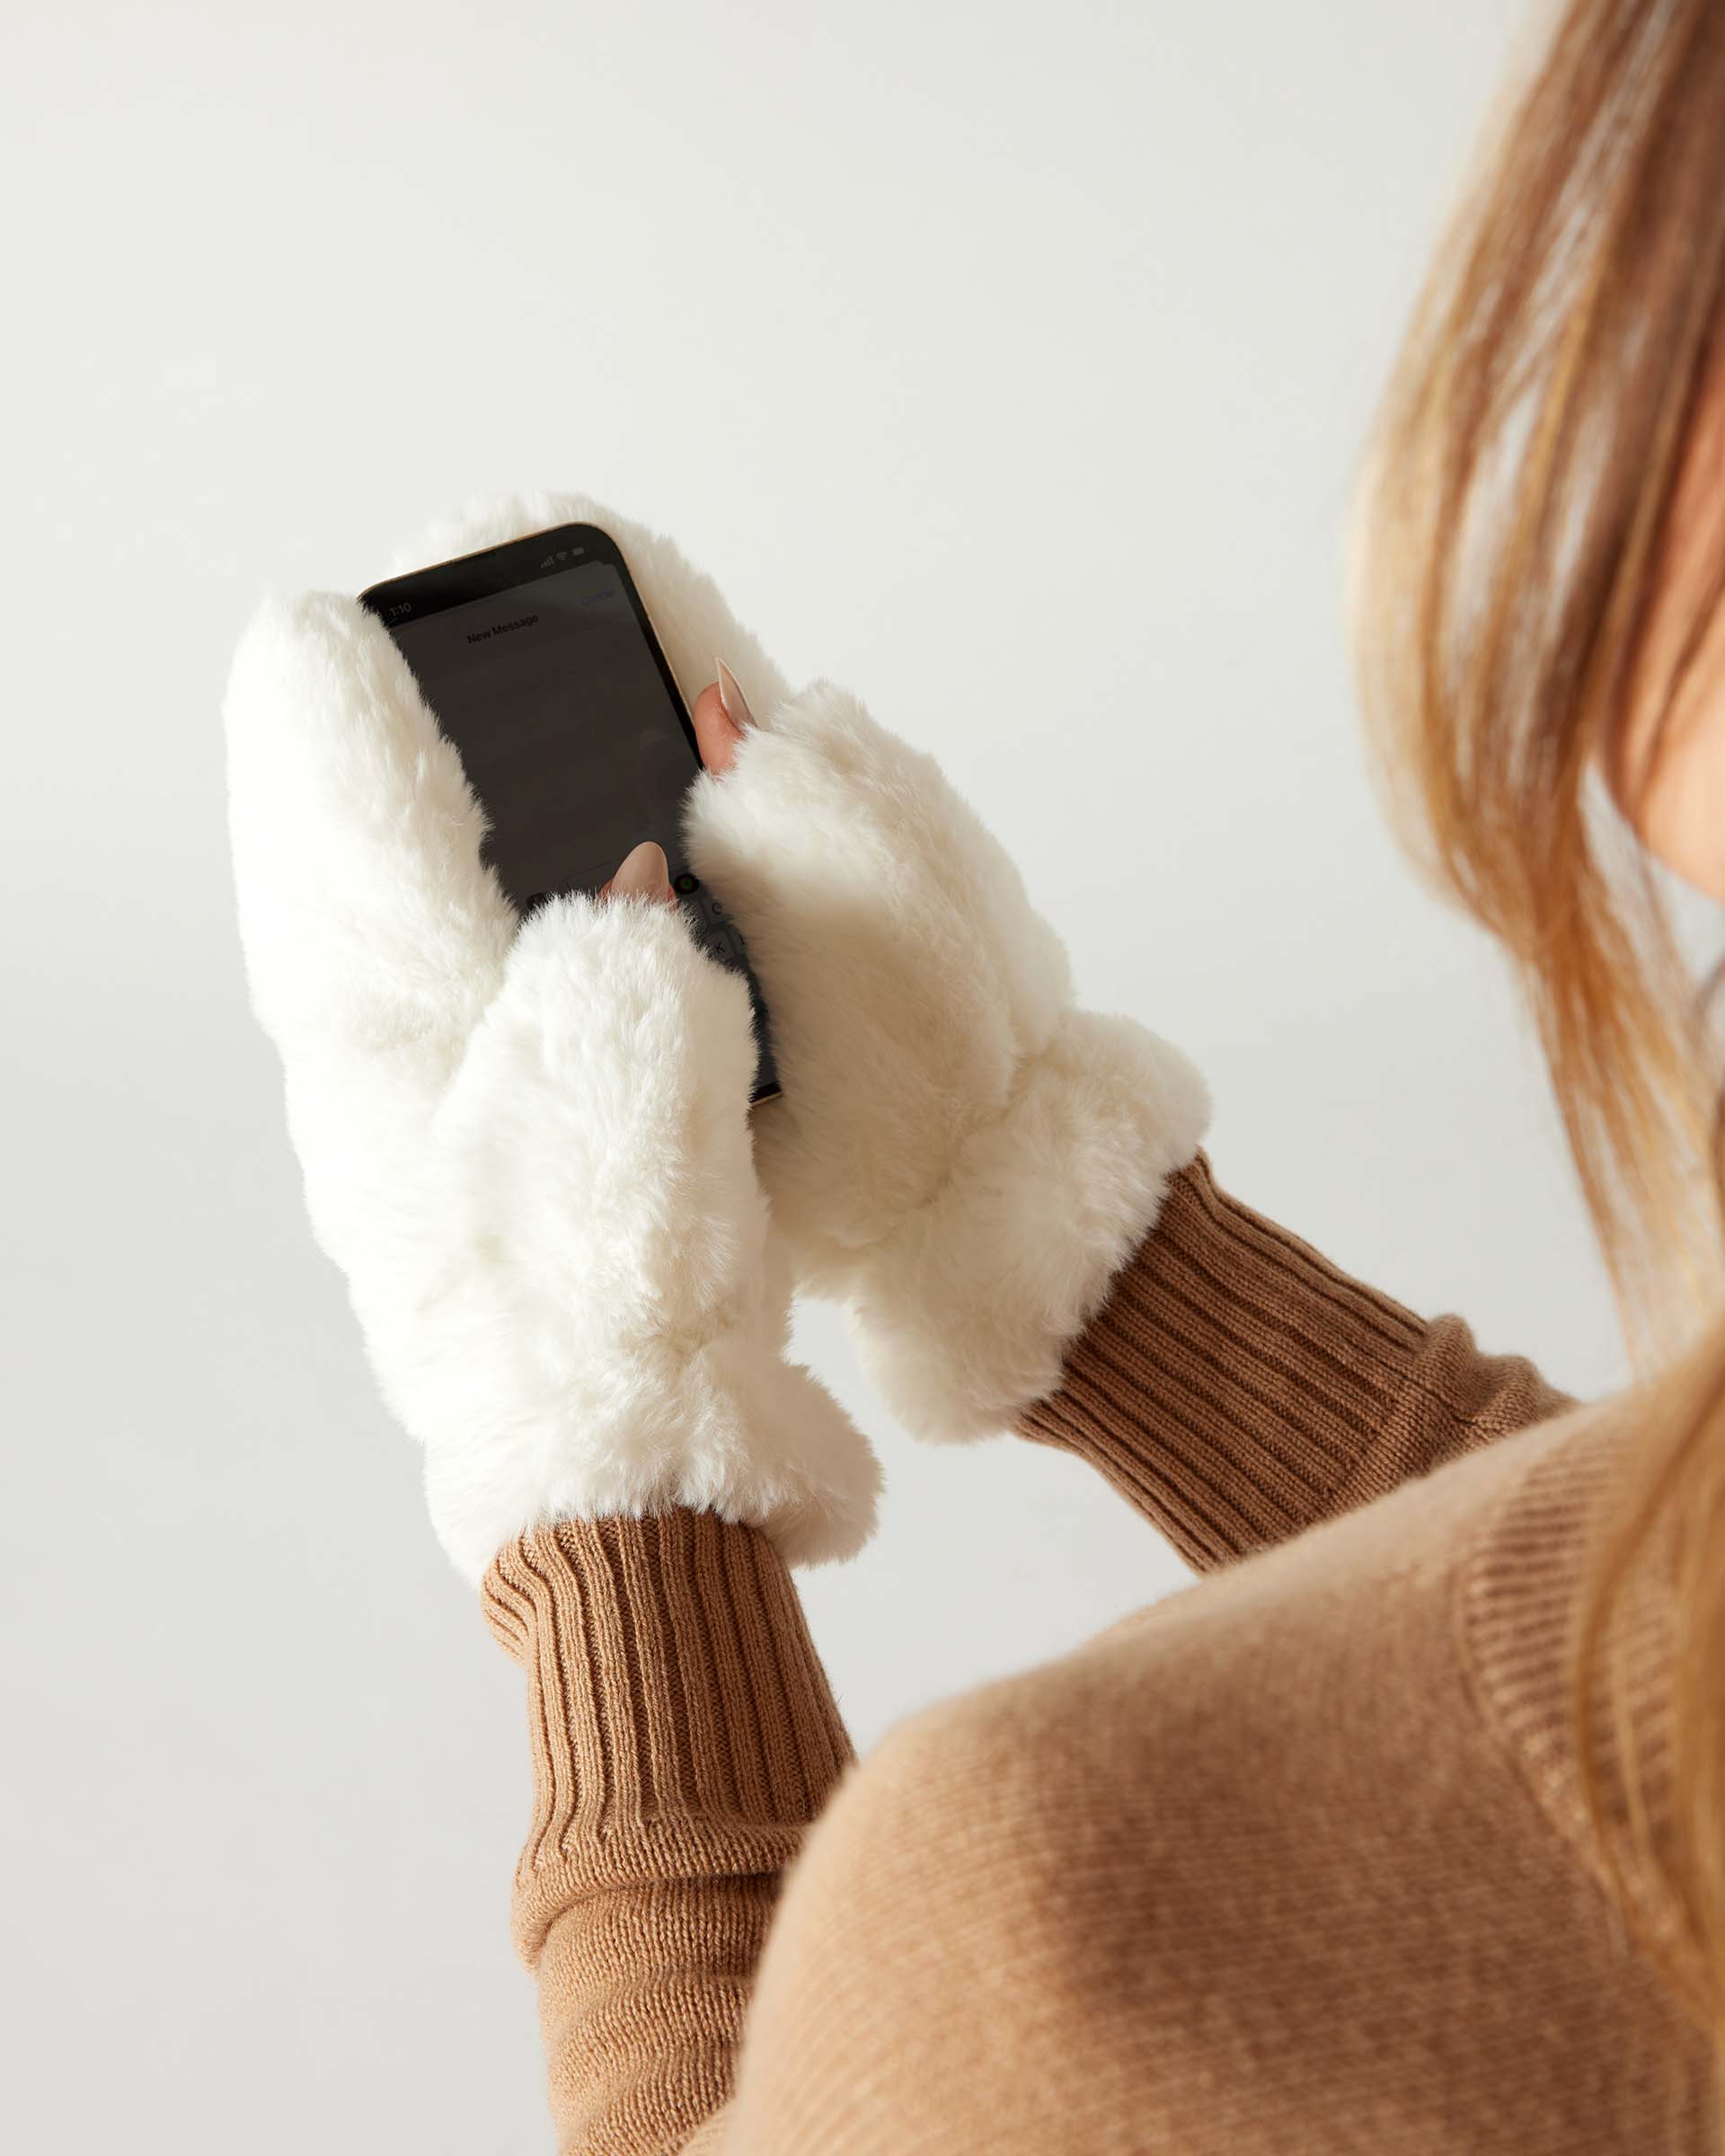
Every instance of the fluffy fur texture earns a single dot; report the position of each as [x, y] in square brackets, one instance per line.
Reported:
[961, 1156]
[527, 1146]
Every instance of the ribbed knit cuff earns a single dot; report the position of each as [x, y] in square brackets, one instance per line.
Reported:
[1233, 1379]
[681, 1721]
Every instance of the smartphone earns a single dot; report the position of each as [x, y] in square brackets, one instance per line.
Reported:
[540, 664]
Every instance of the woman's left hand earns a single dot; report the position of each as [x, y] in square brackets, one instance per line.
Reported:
[525, 1145]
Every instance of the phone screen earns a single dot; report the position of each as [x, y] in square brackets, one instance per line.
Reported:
[540, 666]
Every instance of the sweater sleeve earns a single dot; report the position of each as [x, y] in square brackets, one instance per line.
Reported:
[1236, 1387]
[683, 1738]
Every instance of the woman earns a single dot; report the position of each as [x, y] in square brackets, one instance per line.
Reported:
[1402, 1828]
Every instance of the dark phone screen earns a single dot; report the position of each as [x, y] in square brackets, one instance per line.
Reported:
[570, 737]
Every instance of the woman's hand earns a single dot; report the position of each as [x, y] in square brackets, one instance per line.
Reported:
[960, 1155]
[526, 1145]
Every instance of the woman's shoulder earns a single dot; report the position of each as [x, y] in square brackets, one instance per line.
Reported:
[1266, 1848]
[1354, 1636]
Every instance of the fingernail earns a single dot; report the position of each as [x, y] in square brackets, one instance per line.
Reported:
[645, 873]
[730, 695]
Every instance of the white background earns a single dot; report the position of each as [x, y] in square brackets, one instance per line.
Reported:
[1007, 363]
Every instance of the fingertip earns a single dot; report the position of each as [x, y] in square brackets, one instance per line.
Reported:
[730, 693]
[645, 873]
[716, 733]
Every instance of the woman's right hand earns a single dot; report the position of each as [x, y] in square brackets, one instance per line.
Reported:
[960, 1154]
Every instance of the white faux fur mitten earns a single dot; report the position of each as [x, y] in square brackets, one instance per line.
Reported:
[527, 1146]
[961, 1156]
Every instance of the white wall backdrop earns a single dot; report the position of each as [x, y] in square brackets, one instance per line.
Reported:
[1006, 362]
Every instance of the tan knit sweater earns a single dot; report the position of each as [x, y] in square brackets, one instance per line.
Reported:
[1291, 1861]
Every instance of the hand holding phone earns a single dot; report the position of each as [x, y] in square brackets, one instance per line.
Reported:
[524, 1142]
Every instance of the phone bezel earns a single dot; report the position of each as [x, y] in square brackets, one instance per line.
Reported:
[514, 564]
[510, 566]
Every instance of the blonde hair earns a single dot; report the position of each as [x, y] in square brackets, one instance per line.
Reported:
[1517, 513]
